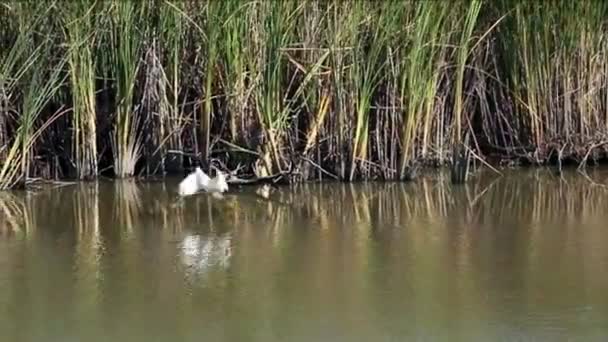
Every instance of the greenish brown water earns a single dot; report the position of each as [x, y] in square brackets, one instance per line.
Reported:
[523, 257]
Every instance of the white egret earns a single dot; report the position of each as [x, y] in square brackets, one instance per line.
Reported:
[200, 181]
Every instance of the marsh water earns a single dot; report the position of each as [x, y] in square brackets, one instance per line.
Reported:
[519, 257]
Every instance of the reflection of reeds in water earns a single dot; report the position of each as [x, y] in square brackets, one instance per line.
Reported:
[347, 204]
[89, 245]
[424, 209]
[86, 210]
[158, 202]
[14, 215]
[87, 222]
[538, 198]
[493, 234]
[449, 254]
[127, 204]
[531, 199]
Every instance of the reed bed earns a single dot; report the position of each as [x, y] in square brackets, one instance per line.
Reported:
[321, 89]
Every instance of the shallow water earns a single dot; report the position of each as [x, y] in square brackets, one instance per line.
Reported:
[522, 257]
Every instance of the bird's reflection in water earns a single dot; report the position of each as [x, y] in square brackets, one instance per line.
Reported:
[200, 254]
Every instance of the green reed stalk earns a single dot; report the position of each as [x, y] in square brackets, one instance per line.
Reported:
[274, 31]
[554, 65]
[5, 31]
[172, 31]
[422, 56]
[462, 57]
[213, 10]
[42, 88]
[366, 72]
[126, 39]
[21, 64]
[536, 50]
[80, 28]
[14, 66]
[235, 56]
[342, 39]
[162, 118]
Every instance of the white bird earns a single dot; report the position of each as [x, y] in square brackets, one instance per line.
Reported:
[217, 184]
[199, 181]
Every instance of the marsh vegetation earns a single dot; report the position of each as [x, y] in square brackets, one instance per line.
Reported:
[323, 89]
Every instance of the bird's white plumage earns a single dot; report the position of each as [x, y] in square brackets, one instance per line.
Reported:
[200, 181]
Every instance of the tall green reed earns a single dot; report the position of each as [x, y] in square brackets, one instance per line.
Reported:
[172, 30]
[234, 54]
[462, 58]
[79, 22]
[273, 32]
[213, 27]
[125, 40]
[555, 69]
[421, 58]
[368, 68]
[28, 84]
[163, 117]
